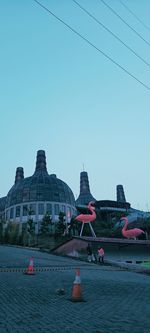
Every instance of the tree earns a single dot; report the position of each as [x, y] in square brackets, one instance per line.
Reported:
[30, 223]
[46, 223]
[61, 225]
[28, 233]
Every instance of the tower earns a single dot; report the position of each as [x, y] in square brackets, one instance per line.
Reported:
[41, 162]
[120, 194]
[19, 174]
[85, 195]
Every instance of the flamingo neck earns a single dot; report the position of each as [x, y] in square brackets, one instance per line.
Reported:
[126, 224]
[92, 211]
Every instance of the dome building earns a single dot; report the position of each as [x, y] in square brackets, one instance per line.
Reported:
[39, 194]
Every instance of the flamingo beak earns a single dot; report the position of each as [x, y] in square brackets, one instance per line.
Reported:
[91, 203]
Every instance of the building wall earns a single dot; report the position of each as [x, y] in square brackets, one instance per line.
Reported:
[20, 213]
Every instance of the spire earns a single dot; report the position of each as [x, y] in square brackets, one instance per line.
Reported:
[85, 195]
[19, 174]
[84, 183]
[120, 194]
[40, 161]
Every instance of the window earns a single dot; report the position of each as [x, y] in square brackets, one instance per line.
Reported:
[12, 213]
[56, 209]
[63, 208]
[49, 208]
[32, 209]
[25, 210]
[41, 209]
[17, 211]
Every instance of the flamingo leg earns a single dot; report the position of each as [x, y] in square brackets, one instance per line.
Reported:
[92, 231]
[81, 229]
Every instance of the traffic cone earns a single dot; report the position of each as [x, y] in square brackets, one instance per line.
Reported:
[76, 291]
[30, 270]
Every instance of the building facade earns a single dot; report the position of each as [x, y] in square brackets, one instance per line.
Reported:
[43, 193]
[37, 195]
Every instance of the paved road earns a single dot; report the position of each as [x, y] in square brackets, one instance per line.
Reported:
[116, 301]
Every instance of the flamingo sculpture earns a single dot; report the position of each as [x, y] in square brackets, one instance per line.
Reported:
[132, 233]
[87, 218]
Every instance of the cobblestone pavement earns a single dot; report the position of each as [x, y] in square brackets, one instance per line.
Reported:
[116, 300]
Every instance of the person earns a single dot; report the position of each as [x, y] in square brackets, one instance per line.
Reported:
[101, 255]
[90, 253]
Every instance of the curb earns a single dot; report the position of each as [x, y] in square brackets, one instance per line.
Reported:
[129, 266]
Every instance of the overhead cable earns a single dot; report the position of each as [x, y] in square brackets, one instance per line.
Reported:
[91, 44]
[113, 34]
[133, 14]
[128, 25]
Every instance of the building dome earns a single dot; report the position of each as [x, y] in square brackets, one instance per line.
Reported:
[41, 193]
[40, 187]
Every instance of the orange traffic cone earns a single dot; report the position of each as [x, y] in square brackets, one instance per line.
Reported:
[30, 270]
[76, 292]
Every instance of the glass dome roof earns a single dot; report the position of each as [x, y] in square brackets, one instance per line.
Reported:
[39, 187]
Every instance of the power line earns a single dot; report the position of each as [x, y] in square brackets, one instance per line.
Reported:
[131, 12]
[128, 25]
[114, 35]
[91, 44]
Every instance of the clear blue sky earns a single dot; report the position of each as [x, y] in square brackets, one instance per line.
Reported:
[60, 95]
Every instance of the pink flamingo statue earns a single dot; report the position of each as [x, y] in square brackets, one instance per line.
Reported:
[87, 218]
[132, 233]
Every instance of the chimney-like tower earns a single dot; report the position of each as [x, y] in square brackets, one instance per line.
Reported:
[19, 174]
[41, 161]
[85, 195]
[84, 183]
[120, 194]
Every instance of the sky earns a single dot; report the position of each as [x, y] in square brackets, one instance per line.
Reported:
[62, 95]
